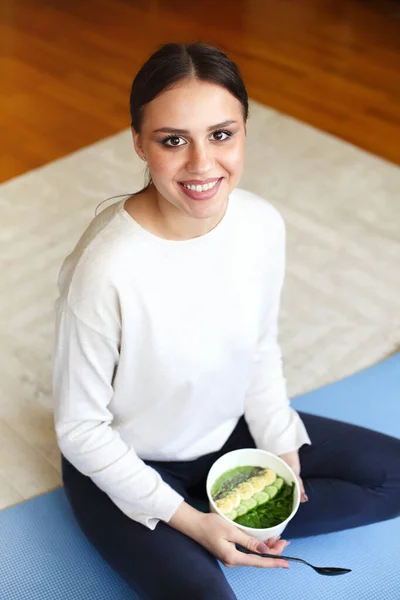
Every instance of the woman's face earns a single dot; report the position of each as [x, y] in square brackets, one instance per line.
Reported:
[201, 143]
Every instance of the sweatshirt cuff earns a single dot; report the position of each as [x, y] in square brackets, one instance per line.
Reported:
[168, 503]
[161, 508]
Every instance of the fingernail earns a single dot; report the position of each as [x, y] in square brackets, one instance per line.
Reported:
[306, 497]
[262, 548]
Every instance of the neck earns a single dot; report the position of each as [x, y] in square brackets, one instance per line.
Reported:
[166, 221]
[173, 224]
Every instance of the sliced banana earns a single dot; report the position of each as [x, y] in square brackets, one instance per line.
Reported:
[224, 505]
[257, 482]
[268, 476]
[256, 490]
[234, 498]
[245, 490]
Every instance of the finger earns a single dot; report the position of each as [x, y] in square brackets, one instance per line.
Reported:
[250, 560]
[279, 547]
[303, 495]
[250, 543]
[272, 541]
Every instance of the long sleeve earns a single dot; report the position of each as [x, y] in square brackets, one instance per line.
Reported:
[84, 367]
[161, 345]
[274, 425]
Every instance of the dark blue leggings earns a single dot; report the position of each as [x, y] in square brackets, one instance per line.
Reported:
[351, 477]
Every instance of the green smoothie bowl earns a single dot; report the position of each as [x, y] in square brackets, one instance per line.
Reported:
[255, 490]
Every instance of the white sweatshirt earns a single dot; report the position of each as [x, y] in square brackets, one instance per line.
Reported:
[161, 346]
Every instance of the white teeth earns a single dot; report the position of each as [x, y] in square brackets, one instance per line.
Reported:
[201, 188]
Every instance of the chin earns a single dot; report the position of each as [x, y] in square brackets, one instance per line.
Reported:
[213, 210]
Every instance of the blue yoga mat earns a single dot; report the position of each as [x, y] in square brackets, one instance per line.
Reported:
[44, 555]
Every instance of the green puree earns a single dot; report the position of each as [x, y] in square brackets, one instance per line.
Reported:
[271, 513]
[230, 479]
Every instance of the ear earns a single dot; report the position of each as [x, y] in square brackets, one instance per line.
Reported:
[137, 142]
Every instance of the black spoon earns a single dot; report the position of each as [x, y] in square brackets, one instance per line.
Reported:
[319, 570]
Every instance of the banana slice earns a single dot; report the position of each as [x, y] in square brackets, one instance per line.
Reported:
[224, 505]
[268, 476]
[234, 498]
[245, 490]
[258, 483]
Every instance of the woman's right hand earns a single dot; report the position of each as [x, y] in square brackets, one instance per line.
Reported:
[220, 536]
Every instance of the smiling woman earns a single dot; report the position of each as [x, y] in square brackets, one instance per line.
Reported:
[195, 95]
[167, 353]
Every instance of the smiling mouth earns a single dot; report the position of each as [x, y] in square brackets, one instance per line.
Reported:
[200, 188]
[201, 192]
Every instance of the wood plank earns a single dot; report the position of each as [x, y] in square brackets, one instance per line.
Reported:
[31, 474]
[67, 68]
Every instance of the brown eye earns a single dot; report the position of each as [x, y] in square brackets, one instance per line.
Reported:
[172, 141]
[220, 133]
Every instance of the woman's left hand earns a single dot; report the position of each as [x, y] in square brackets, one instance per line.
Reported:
[293, 460]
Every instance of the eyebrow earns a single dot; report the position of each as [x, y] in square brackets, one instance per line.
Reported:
[186, 131]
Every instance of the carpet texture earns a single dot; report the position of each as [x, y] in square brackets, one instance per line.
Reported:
[340, 301]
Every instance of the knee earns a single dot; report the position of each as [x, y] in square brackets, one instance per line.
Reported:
[389, 495]
[391, 506]
[389, 489]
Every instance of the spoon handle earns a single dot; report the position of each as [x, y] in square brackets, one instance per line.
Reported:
[284, 557]
[243, 549]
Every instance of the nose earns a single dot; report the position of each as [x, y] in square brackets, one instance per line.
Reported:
[200, 160]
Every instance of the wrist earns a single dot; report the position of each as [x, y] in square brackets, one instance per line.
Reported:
[292, 459]
[187, 520]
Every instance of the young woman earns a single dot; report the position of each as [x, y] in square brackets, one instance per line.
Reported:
[167, 354]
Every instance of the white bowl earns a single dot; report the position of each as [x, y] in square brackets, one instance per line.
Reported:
[254, 457]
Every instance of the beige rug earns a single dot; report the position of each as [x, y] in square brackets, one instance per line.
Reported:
[340, 309]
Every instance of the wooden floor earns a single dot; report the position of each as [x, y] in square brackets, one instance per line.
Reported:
[66, 67]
